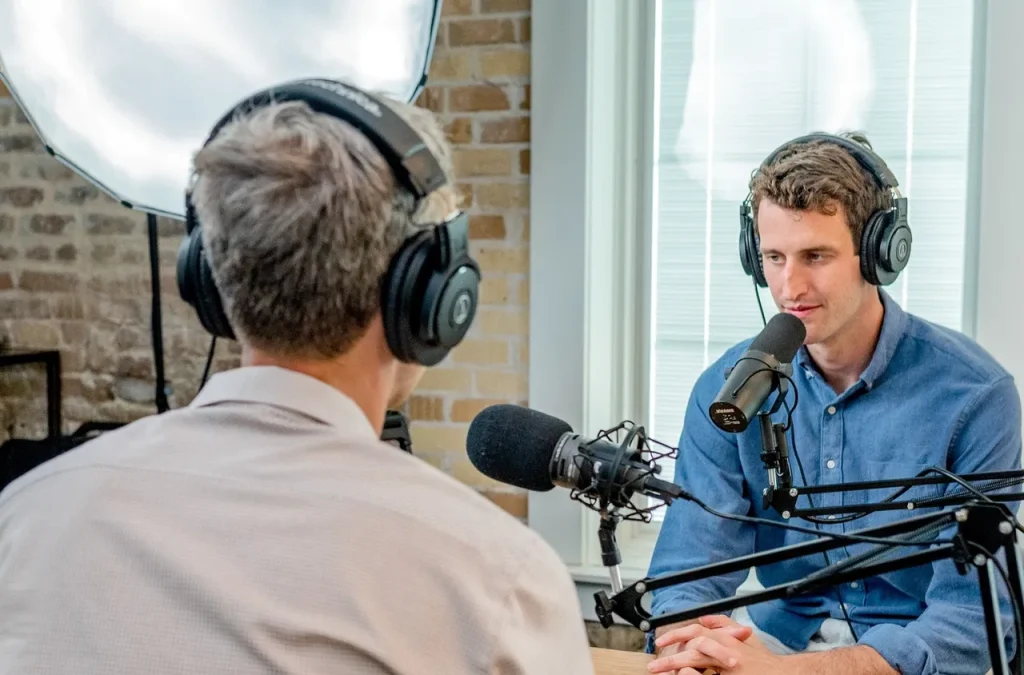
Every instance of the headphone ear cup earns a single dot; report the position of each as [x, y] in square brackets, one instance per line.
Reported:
[448, 309]
[427, 311]
[401, 294]
[198, 288]
[750, 255]
[212, 315]
[897, 243]
[195, 278]
[885, 247]
[870, 251]
[184, 271]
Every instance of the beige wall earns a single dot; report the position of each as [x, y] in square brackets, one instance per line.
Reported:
[74, 269]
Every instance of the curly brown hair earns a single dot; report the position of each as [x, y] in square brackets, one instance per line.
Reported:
[821, 176]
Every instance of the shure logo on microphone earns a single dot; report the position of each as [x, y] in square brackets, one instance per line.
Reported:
[357, 97]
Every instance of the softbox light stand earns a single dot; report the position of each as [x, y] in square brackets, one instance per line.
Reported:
[169, 125]
[156, 315]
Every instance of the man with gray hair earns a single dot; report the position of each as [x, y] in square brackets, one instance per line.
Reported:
[266, 528]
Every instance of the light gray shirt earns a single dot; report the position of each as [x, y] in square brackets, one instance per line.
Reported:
[265, 528]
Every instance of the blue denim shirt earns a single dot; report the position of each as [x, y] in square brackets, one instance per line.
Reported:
[930, 396]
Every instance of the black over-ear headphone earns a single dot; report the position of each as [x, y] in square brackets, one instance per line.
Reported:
[430, 291]
[886, 240]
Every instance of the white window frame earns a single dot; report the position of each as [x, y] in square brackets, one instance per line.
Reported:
[587, 214]
[592, 88]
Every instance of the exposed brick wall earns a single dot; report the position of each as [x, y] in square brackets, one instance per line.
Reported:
[74, 271]
[74, 275]
[479, 85]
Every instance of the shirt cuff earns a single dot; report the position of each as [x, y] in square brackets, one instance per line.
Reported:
[903, 649]
[649, 643]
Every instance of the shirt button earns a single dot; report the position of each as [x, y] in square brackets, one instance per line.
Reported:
[854, 584]
[831, 410]
[831, 463]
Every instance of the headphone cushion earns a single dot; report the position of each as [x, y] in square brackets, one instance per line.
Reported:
[204, 296]
[401, 296]
[870, 240]
[212, 306]
[185, 272]
[750, 256]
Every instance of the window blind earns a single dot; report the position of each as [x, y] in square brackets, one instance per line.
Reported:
[736, 78]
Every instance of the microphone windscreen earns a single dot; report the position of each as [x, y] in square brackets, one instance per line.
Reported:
[781, 337]
[514, 445]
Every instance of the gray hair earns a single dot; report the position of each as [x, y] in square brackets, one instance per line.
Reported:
[301, 216]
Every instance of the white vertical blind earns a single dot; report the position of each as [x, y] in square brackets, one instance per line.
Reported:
[737, 78]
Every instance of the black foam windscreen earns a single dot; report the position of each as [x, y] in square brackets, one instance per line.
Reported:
[514, 445]
[781, 337]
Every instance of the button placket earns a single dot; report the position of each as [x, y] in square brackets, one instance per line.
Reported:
[831, 460]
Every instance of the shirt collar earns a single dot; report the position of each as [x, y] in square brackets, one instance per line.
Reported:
[288, 389]
[894, 325]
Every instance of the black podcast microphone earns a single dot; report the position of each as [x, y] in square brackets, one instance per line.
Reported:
[752, 380]
[531, 450]
[535, 451]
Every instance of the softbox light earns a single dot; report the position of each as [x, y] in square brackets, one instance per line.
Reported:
[125, 91]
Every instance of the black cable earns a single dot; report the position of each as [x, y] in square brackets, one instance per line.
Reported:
[757, 294]
[970, 489]
[924, 531]
[1018, 611]
[892, 543]
[156, 316]
[869, 557]
[957, 479]
[965, 490]
[803, 478]
[816, 531]
[849, 538]
[767, 369]
[209, 361]
[996, 484]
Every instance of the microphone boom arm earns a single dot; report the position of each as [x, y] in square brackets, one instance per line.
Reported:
[784, 501]
[983, 529]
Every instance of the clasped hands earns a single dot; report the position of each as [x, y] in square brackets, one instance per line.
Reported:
[715, 644]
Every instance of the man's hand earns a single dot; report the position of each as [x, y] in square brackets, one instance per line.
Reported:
[724, 646]
[679, 649]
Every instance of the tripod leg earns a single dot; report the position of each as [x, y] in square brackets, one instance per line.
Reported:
[993, 621]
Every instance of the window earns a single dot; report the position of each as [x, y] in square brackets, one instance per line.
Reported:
[647, 119]
[735, 80]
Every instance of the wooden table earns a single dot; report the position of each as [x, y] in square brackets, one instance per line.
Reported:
[615, 662]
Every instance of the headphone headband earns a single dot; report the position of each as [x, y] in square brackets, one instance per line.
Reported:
[408, 156]
[885, 242]
[883, 175]
[430, 291]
